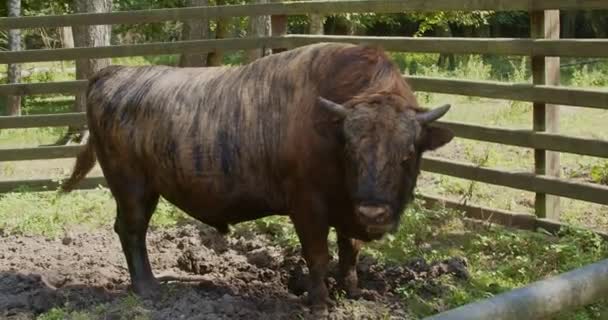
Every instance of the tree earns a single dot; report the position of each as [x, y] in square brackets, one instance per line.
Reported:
[88, 36]
[316, 24]
[216, 57]
[195, 30]
[14, 70]
[259, 26]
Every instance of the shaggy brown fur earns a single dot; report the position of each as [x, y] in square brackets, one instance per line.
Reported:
[230, 144]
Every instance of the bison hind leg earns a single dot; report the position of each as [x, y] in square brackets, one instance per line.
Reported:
[135, 205]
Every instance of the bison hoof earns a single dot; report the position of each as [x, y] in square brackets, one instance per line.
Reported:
[147, 289]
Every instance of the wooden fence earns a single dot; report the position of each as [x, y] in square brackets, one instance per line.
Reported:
[544, 92]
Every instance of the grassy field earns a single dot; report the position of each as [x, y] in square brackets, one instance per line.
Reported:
[498, 259]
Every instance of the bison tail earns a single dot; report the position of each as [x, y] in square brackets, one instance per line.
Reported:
[85, 161]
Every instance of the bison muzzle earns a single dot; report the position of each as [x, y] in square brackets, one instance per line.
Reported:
[329, 134]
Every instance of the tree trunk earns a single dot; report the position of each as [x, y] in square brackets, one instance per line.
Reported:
[88, 36]
[195, 30]
[258, 27]
[67, 37]
[67, 41]
[13, 103]
[316, 24]
[216, 57]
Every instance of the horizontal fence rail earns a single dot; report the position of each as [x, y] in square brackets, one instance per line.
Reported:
[292, 8]
[39, 153]
[29, 89]
[525, 221]
[504, 46]
[510, 91]
[528, 139]
[43, 120]
[523, 181]
[513, 137]
[518, 180]
[47, 184]
[487, 89]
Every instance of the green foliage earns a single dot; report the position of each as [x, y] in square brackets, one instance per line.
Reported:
[473, 68]
[584, 77]
[599, 173]
[53, 314]
[129, 307]
[61, 314]
[442, 19]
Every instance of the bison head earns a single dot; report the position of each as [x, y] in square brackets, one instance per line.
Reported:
[383, 146]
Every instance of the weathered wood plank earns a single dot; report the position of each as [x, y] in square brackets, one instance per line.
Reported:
[564, 48]
[505, 218]
[514, 137]
[564, 96]
[519, 180]
[52, 152]
[179, 47]
[505, 46]
[46, 184]
[529, 139]
[293, 8]
[46, 120]
[27, 89]
[488, 89]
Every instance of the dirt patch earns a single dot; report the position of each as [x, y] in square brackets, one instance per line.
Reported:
[241, 276]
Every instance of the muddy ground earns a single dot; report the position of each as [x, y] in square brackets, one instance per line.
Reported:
[239, 276]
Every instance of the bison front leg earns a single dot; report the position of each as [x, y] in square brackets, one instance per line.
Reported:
[348, 251]
[312, 230]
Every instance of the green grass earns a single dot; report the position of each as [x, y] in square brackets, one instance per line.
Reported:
[498, 259]
[127, 308]
[51, 213]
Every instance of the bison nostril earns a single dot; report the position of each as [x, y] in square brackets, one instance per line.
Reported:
[373, 212]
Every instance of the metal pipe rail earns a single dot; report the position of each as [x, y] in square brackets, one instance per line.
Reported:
[540, 299]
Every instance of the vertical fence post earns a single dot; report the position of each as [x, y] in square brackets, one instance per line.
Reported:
[278, 24]
[545, 24]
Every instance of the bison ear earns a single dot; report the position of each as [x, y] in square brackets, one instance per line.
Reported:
[432, 115]
[435, 137]
[335, 108]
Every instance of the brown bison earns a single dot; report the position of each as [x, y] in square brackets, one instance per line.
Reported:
[329, 134]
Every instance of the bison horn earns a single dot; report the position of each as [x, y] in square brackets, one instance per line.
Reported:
[333, 107]
[432, 115]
